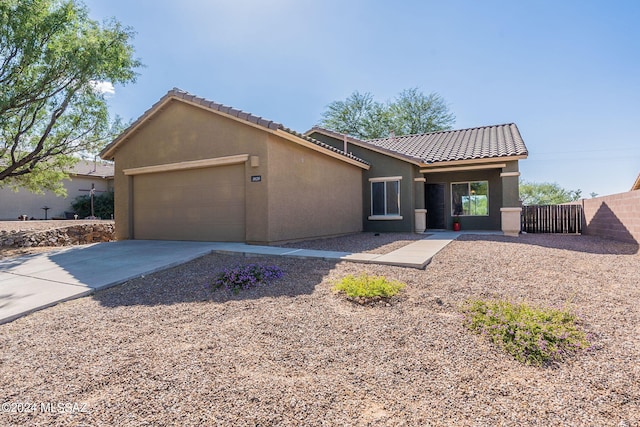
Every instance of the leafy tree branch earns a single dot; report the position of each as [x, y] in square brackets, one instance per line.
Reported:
[51, 57]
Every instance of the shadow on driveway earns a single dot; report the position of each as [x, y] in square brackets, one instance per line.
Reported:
[192, 282]
[38, 281]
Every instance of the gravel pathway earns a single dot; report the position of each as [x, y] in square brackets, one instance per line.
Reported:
[167, 350]
[373, 243]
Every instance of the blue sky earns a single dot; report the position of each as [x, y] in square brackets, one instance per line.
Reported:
[566, 72]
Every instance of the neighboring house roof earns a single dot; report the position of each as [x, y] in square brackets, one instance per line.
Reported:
[97, 168]
[486, 142]
[636, 185]
[269, 125]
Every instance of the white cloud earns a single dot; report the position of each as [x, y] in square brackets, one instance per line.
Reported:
[103, 88]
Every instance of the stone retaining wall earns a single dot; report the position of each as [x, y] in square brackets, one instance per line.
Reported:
[65, 236]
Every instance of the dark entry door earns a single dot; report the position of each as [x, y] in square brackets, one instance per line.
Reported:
[434, 196]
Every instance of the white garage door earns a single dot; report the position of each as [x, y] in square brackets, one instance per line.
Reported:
[197, 204]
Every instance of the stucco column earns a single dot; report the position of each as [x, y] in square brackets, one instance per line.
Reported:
[419, 206]
[511, 210]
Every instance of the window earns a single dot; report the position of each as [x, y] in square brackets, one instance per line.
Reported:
[385, 198]
[470, 198]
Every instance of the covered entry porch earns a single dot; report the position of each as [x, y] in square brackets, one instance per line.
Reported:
[478, 196]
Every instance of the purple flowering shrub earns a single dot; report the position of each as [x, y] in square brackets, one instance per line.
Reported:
[534, 336]
[246, 276]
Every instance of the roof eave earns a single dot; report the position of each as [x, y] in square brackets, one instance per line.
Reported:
[90, 175]
[336, 154]
[364, 144]
[108, 152]
[501, 159]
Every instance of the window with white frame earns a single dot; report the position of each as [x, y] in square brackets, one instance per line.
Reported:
[470, 198]
[385, 198]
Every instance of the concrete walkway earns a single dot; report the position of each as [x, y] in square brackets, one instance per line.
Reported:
[416, 255]
[34, 282]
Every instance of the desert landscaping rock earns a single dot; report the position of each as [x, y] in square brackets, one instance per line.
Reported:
[373, 243]
[25, 237]
[167, 349]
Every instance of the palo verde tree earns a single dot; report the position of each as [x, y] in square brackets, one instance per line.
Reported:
[411, 112]
[53, 61]
[546, 193]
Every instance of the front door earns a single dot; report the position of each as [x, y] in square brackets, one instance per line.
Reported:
[434, 196]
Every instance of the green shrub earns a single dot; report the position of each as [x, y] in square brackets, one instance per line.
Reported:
[365, 286]
[246, 276]
[534, 336]
[102, 205]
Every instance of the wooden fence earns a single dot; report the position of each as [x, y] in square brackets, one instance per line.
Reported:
[552, 219]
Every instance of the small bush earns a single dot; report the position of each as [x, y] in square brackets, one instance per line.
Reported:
[365, 286]
[102, 205]
[532, 335]
[246, 276]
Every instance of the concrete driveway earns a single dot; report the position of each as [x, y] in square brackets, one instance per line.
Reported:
[34, 282]
[38, 281]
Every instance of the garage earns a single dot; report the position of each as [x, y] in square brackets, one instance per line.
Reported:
[192, 169]
[195, 204]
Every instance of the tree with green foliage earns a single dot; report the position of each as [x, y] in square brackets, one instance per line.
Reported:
[546, 193]
[411, 112]
[53, 62]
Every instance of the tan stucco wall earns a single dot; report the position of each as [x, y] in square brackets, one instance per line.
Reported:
[311, 194]
[383, 166]
[181, 132]
[23, 202]
[302, 193]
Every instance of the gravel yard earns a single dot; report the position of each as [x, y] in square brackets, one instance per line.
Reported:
[373, 243]
[167, 350]
[25, 226]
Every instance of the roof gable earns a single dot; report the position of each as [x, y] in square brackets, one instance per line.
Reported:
[636, 185]
[480, 143]
[361, 143]
[176, 94]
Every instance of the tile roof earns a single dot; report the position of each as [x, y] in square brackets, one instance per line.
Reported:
[98, 168]
[356, 141]
[180, 94]
[486, 142]
[324, 145]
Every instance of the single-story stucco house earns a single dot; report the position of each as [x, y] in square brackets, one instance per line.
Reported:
[192, 169]
[82, 176]
[471, 174]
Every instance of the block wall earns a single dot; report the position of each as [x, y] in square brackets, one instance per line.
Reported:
[614, 217]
